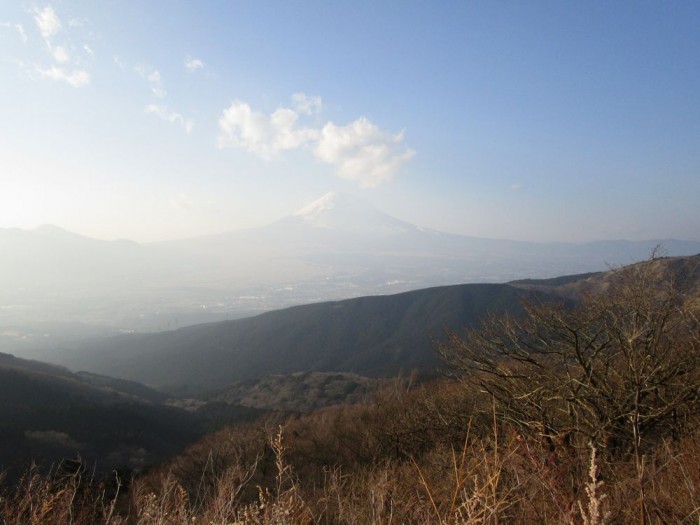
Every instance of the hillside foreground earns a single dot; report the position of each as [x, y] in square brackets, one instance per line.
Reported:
[567, 414]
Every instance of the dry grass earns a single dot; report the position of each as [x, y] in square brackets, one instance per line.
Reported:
[593, 512]
[250, 476]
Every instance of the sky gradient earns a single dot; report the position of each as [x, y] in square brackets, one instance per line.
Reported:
[540, 121]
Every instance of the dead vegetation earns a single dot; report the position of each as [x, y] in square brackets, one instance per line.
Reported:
[502, 476]
[570, 416]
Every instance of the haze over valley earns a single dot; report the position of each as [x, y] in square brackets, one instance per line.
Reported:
[58, 285]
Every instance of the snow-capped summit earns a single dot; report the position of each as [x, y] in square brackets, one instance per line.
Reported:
[344, 212]
[327, 202]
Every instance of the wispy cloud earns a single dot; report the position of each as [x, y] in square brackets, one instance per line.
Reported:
[76, 78]
[164, 113]
[156, 83]
[517, 187]
[47, 21]
[152, 75]
[18, 28]
[22, 33]
[64, 63]
[359, 151]
[160, 110]
[193, 64]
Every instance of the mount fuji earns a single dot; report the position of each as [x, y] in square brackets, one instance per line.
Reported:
[335, 247]
[344, 213]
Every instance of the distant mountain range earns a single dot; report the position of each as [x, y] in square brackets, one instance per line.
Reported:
[336, 247]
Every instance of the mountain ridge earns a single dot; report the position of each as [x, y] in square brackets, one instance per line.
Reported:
[377, 336]
[329, 202]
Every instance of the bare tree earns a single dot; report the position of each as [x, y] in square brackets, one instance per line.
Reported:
[619, 369]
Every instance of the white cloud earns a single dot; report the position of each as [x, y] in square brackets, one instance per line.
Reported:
[76, 78]
[362, 152]
[286, 137]
[517, 187]
[88, 50]
[359, 151]
[164, 113]
[306, 104]
[193, 64]
[243, 128]
[60, 54]
[262, 135]
[156, 84]
[47, 21]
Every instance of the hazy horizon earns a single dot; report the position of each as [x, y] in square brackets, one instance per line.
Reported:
[547, 122]
[298, 212]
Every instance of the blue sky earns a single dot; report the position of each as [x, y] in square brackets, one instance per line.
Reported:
[523, 120]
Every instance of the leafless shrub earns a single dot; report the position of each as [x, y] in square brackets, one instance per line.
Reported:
[621, 370]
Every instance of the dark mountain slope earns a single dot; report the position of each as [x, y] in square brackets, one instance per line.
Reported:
[124, 386]
[10, 361]
[48, 413]
[376, 336]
